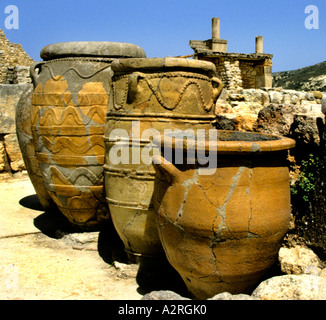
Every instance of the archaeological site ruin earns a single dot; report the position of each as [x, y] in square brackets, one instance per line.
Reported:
[197, 161]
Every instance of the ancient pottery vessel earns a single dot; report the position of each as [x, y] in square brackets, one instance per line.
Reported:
[147, 97]
[68, 117]
[25, 140]
[221, 227]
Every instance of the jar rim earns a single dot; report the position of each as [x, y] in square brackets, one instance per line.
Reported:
[167, 63]
[101, 49]
[224, 141]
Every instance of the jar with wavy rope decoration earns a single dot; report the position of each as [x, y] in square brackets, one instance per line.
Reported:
[25, 140]
[69, 101]
[150, 95]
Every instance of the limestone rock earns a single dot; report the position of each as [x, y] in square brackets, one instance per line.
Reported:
[223, 96]
[299, 260]
[305, 128]
[126, 270]
[224, 108]
[2, 157]
[22, 74]
[170, 295]
[246, 115]
[225, 115]
[274, 111]
[323, 105]
[226, 121]
[276, 97]
[256, 95]
[323, 273]
[245, 122]
[275, 119]
[317, 94]
[83, 238]
[14, 153]
[163, 295]
[229, 296]
[9, 97]
[236, 97]
[292, 287]
[312, 270]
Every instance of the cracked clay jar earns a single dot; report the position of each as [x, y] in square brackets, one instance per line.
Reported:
[221, 228]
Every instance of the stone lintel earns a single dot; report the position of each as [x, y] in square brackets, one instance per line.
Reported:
[200, 44]
[216, 40]
[239, 56]
[214, 45]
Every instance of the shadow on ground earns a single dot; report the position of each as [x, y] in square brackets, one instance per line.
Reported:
[52, 223]
[153, 274]
[31, 202]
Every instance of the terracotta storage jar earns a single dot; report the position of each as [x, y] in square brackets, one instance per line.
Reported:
[69, 102]
[149, 96]
[222, 227]
[25, 140]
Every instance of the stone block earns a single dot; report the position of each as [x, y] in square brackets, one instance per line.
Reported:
[292, 287]
[299, 260]
[305, 129]
[14, 153]
[163, 295]
[323, 273]
[229, 296]
[276, 97]
[323, 105]
[310, 96]
[275, 119]
[22, 74]
[317, 94]
[9, 97]
[287, 98]
[311, 107]
[2, 157]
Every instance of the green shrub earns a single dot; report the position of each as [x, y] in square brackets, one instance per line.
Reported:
[304, 185]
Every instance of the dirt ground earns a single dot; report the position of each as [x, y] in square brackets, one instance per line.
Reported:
[42, 258]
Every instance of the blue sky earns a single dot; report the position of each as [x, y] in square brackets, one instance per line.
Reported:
[164, 27]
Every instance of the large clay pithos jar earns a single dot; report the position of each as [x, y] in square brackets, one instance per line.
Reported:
[25, 140]
[149, 96]
[69, 102]
[222, 227]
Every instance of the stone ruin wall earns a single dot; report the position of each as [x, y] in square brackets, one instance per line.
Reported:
[10, 154]
[246, 109]
[236, 70]
[14, 62]
[248, 74]
[228, 70]
[14, 79]
[242, 74]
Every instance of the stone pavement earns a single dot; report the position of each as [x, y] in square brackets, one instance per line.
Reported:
[40, 260]
[43, 258]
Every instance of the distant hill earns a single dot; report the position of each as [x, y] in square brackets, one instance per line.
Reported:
[312, 78]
